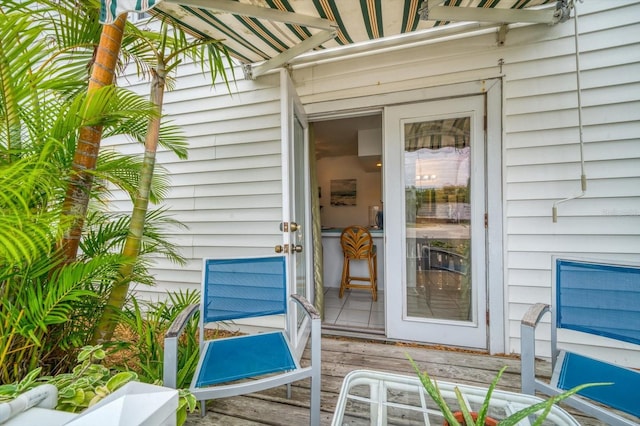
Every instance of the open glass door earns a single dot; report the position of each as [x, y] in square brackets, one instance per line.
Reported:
[435, 209]
[296, 211]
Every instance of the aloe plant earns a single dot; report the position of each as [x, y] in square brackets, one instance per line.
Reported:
[431, 387]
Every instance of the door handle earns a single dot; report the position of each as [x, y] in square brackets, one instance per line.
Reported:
[289, 227]
[285, 249]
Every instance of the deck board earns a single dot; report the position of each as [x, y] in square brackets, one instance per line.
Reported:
[342, 355]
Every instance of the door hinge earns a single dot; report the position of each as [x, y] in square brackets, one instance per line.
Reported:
[487, 318]
[485, 119]
[486, 221]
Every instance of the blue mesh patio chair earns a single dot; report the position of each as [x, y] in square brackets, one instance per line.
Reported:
[590, 298]
[246, 288]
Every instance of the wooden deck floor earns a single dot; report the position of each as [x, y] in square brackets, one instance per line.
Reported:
[342, 355]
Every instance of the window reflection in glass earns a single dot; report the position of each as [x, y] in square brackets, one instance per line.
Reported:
[437, 176]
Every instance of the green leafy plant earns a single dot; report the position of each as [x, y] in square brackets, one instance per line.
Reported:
[88, 383]
[83, 387]
[186, 403]
[479, 418]
[49, 306]
[147, 323]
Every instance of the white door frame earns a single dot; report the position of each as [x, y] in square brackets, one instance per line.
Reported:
[290, 111]
[494, 178]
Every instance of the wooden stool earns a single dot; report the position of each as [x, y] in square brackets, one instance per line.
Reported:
[357, 244]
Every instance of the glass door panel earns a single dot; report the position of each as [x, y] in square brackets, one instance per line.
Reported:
[437, 190]
[434, 220]
[295, 201]
[299, 190]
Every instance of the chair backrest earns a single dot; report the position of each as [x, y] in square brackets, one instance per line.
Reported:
[598, 298]
[356, 242]
[243, 288]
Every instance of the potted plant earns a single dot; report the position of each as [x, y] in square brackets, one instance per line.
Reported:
[466, 417]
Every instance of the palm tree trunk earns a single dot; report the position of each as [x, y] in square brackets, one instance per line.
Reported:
[86, 154]
[117, 297]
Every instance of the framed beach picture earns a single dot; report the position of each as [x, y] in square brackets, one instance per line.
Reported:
[343, 192]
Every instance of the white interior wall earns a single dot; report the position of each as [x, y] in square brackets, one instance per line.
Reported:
[368, 189]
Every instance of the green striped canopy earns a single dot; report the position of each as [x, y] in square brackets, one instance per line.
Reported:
[258, 30]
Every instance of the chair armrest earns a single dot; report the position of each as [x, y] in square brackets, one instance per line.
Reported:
[528, 326]
[170, 361]
[181, 320]
[311, 310]
[533, 316]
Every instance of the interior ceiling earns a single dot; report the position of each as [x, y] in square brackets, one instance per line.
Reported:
[339, 137]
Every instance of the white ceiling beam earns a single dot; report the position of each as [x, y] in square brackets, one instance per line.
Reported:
[237, 8]
[253, 71]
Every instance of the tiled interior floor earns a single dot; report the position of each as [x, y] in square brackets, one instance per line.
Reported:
[437, 295]
[356, 309]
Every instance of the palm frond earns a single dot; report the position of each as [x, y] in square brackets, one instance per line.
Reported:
[107, 232]
[16, 78]
[123, 172]
[48, 306]
[28, 208]
[136, 122]
[212, 56]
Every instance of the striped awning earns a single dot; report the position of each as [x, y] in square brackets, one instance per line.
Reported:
[272, 32]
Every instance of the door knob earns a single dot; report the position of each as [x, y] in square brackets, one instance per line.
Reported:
[285, 248]
[294, 227]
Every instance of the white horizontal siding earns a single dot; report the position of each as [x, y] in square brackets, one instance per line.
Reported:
[228, 193]
[624, 206]
[541, 157]
[541, 225]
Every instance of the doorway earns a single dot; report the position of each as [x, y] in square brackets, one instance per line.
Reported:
[348, 154]
[473, 250]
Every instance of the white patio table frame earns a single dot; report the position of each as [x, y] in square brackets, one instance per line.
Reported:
[378, 398]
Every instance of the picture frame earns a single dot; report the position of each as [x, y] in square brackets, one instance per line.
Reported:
[343, 192]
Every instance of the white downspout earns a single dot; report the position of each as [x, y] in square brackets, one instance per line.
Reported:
[583, 176]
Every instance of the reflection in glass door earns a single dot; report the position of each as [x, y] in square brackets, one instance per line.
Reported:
[298, 201]
[434, 153]
[438, 212]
